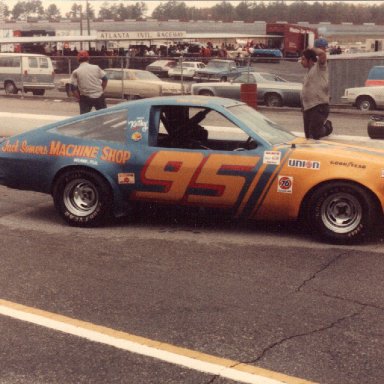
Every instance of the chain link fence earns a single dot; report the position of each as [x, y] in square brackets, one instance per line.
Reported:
[344, 72]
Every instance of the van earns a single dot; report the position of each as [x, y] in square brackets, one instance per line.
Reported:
[375, 76]
[26, 72]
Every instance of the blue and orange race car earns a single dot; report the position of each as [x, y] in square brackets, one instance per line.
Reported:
[197, 151]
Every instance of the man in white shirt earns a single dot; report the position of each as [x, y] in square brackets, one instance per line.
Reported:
[88, 82]
[315, 92]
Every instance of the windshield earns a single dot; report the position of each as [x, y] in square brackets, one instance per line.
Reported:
[145, 75]
[217, 64]
[261, 126]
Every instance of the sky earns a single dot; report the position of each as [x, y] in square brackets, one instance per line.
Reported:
[65, 5]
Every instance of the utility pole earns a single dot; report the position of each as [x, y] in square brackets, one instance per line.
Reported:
[81, 25]
[1, 11]
[88, 25]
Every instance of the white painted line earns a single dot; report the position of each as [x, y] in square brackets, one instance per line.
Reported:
[32, 116]
[209, 364]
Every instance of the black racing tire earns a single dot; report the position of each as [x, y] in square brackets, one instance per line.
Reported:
[365, 103]
[341, 212]
[206, 92]
[273, 100]
[223, 79]
[376, 127]
[83, 198]
[10, 88]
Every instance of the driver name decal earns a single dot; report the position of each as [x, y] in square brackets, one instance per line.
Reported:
[59, 149]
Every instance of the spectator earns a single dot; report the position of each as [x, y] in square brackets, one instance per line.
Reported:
[88, 82]
[315, 92]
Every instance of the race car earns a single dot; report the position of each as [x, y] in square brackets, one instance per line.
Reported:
[196, 151]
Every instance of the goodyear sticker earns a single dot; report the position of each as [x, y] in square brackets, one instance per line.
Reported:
[126, 178]
[285, 184]
[271, 157]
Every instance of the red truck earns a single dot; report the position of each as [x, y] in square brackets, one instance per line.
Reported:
[291, 39]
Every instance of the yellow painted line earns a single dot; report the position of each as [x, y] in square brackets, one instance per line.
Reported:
[202, 362]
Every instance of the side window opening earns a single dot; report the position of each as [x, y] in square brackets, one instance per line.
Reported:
[43, 62]
[198, 128]
[32, 62]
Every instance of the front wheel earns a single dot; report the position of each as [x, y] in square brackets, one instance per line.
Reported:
[273, 100]
[10, 88]
[365, 103]
[83, 198]
[341, 212]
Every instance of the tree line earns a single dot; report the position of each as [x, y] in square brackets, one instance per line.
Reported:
[248, 11]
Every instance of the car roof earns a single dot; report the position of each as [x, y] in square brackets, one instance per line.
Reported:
[162, 62]
[190, 100]
[125, 70]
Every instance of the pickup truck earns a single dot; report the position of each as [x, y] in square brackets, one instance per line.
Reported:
[219, 70]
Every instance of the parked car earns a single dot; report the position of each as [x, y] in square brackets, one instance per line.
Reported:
[195, 151]
[161, 67]
[375, 76]
[272, 90]
[132, 84]
[365, 98]
[219, 70]
[187, 69]
[27, 72]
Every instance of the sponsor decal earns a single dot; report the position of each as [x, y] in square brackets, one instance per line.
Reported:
[285, 184]
[272, 157]
[309, 164]
[348, 164]
[137, 124]
[137, 136]
[59, 149]
[126, 178]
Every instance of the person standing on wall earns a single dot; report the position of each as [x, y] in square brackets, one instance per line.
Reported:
[88, 82]
[315, 92]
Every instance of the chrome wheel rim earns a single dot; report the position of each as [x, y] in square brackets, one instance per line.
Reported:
[341, 212]
[365, 105]
[80, 197]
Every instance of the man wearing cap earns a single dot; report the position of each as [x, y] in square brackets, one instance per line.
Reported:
[88, 82]
[315, 92]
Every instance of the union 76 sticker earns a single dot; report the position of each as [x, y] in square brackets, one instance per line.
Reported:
[285, 184]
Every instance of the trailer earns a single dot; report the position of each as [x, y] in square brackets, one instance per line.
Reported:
[291, 39]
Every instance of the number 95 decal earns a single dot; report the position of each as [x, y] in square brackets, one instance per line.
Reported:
[194, 179]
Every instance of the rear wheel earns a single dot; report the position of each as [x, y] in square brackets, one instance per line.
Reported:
[10, 88]
[273, 100]
[83, 198]
[365, 103]
[206, 92]
[341, 212]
